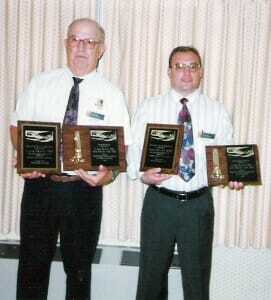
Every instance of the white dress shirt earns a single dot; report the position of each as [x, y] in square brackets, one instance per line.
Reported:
[211, 126]
[46, 98]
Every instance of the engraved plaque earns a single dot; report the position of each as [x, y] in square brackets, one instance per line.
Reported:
[88, 147]
[38, 147]
[233, 163]
[107, 147]
[162, 146]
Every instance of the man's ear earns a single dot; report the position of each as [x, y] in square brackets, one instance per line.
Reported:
[102, 49]
[201, 73]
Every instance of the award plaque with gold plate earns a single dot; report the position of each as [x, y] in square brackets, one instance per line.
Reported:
[233, 163]
[38, 147]
[162, 146]
[88, 147]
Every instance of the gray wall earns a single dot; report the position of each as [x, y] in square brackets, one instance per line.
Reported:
[237, 275]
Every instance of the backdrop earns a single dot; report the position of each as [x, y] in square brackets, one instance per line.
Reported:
[234, 39]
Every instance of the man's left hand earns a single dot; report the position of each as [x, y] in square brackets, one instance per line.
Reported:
[236, 185]
[102, 177]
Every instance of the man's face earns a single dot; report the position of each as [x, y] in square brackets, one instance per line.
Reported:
[84, 48]
[185, 73]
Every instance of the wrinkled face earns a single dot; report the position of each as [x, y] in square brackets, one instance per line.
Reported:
[185, 72]
[84, 47]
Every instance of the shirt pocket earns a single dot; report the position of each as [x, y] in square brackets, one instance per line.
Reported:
[93, 115]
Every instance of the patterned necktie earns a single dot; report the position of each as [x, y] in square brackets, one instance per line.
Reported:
[72, 106]
[187, 163]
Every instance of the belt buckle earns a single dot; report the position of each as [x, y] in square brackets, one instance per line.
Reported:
[183, 197]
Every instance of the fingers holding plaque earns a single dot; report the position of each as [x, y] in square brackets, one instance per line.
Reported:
[162, 148]
[233, 163]
[88, 147]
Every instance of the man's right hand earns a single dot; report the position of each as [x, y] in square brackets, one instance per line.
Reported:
[30, 175]
[154, 176]
[33, 175]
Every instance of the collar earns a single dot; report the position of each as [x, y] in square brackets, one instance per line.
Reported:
[191, 97]
[85, 77]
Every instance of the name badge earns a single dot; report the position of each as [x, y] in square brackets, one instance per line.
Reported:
[95, 115]
[207, 135]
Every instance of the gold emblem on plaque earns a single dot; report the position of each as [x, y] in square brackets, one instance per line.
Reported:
[78, 157]
[216, 172]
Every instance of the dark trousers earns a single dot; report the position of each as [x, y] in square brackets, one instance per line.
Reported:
[71, 210]
[164, 222]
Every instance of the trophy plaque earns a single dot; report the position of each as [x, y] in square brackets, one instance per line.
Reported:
[162, 146]
[38, 147]
[233, 163]
[88, 147]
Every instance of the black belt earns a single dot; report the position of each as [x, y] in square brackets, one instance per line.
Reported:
[183, 196]
[64, 178]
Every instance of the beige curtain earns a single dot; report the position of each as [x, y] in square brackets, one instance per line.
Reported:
[234, 38]
[32, 41]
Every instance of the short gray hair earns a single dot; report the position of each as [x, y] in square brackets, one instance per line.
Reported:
[88, 20]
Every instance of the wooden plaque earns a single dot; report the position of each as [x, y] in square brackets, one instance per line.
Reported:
[76, 147]
[233, 163]
[38, 147]
[88, 147]
[162, 146]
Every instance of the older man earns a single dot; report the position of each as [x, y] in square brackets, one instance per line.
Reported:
[69, 206]
[179, 208]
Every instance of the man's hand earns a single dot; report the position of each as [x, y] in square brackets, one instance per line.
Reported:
[153, 176]
[30, 175]
[102, 177]
[236, 185]
[33, 175]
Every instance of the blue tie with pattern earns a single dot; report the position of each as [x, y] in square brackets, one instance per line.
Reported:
[187, 163]
[72, 106]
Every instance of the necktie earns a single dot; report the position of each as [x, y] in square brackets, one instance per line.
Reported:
[187, 163]
[72, 106]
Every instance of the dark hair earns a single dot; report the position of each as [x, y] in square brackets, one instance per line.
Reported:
[183, 49]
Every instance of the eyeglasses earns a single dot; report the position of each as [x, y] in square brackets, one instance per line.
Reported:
[192, 67]
[74, 41]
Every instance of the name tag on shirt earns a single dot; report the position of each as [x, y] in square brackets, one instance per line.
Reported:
[95, 115]
[207, 135]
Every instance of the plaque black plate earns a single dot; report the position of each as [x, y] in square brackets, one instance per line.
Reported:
[38, 147]
[235, 163]
[162, 147]
[107, 147]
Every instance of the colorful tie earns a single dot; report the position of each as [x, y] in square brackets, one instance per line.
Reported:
[187, 164]
[72, 106]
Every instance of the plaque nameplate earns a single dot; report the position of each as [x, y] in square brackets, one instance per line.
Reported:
[162, 146]
[38, 145]
[88, 147]
[233, 163]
